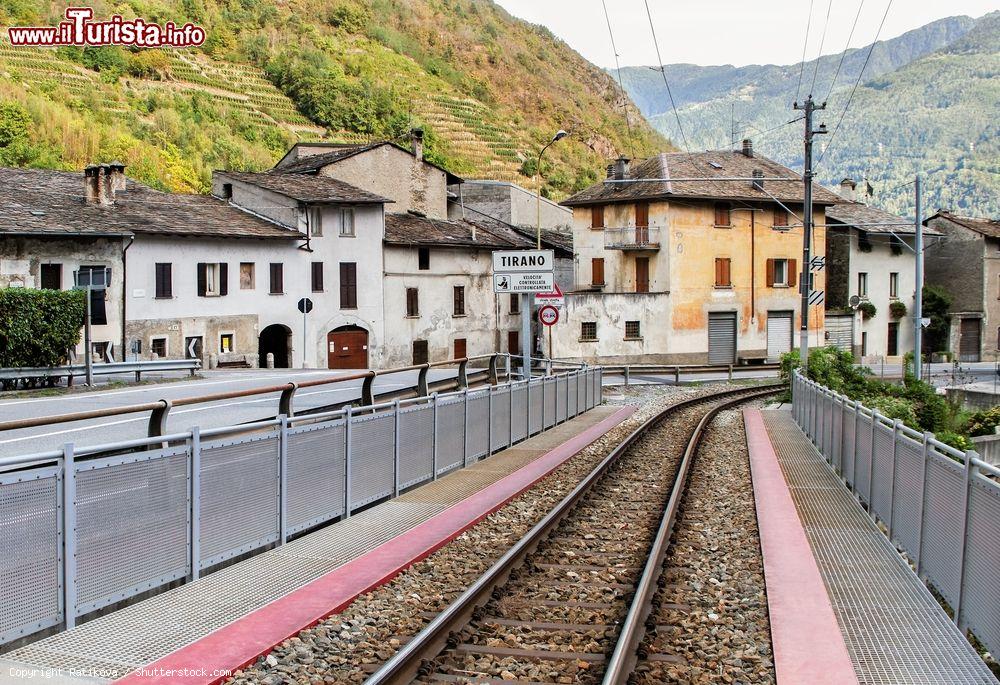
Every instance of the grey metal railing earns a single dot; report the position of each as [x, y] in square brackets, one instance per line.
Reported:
[74, 370]
[83, 528]
[632, 238]
[939, 505]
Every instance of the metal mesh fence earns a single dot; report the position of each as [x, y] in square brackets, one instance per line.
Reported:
[315, 472]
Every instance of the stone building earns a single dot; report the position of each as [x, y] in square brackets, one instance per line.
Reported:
[870, 254]
[683, 259]
[967, 266]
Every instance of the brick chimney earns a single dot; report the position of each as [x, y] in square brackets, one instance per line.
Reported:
[747, 147]
[621, 168]
[116, 170]
[847, 188]
[758, 179]
[98, 188]
[91, 184]
[417, 142]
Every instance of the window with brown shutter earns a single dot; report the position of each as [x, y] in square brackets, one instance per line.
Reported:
[317, 277]
[412, 303]
[223, 279]
[460, 348]
[780, 217]
[597, 271]
[641, 214]
[247, 277]
[459, 300]
[642, 274]
[513, 343]
[792, 273]
[277, 284]
[164, 281]
[515, 303]
[722, 217]
[770, 273]
[597, 216]
[420, 353]
[722, 275]
[348, 285]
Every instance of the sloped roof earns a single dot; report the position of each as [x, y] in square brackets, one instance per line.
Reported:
[710, 166]
[413, 229]
[305, 188]
[311, 164]
[860, 215]
[47, 202]
[987, 227]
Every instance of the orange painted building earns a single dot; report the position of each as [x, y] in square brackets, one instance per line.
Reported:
[682, 258]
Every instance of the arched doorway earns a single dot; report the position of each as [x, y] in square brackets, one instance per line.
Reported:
[347, 348]
[276, 339]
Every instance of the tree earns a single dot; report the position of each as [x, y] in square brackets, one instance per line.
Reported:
[936, 304]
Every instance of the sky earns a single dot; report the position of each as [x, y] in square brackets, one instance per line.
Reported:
[708, 32]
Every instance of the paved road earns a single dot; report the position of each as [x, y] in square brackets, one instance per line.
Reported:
[211, 415]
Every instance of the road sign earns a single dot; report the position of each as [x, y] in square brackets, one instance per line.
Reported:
[523, 282]
[816, 296]
[522, 261]
[548, 315]
[925, 321]
[305, 305]
[554, 298]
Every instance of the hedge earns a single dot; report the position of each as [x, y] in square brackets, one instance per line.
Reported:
[38, 327]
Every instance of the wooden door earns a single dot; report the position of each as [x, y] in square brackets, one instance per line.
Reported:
[641, 223]
[347, 349]
[892, 344]
[642, 274]
[460, 348]
[969, 343]
[513, 343]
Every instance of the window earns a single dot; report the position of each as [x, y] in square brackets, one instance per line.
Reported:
[227, 191]
[892, 342]
[864, 343]
[597, 271]
[632, 330]
[513, 342]
[722, 217]
[98, 277]
[164, 280]
[459, 298]
[348, 285]
[226, 343]
[893, 284]
[51, 276]
[588, 330]
[412, 303]
[722, 273]
[515, 303]
[597, 216]
[213, 279]
[460, 348]
[247, 279]
[158, 346]
[424, 259]
[642, 274]
[781, 273]
[863, 284]
[420, 355]
[347, 222]
[317, 277]
[780, 217]
[314, 215]
[277, 284]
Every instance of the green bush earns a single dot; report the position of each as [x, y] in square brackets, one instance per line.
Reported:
[984, 422]
[38, 327]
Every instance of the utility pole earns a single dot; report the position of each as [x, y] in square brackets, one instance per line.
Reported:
[918, 298]
[805, 282]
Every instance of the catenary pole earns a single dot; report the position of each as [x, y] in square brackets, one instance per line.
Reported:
[918, 296]
[807, 224]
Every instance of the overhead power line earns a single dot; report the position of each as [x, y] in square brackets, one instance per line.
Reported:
[819, 53]
[857, 82]
[844, 53]
[663, 73]
[621, 85]
[805, 44]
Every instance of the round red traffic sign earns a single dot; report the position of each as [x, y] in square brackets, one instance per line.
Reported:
[548, 315]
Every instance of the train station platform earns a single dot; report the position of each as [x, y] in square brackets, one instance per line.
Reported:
[225, 620]
[836, 585]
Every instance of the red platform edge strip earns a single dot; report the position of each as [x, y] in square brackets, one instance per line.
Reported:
[806, 638]
[238, 644]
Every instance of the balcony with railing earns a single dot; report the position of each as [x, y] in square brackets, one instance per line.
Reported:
[632, 238]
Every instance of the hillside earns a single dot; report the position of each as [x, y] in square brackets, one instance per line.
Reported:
[489, 89]
[927, 103]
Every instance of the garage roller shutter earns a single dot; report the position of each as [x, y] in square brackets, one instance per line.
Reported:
[722, 337]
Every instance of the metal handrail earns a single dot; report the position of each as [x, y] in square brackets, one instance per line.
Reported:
[105, 368]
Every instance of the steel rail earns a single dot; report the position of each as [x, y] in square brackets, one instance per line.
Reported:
[408, 661]
[625, 655]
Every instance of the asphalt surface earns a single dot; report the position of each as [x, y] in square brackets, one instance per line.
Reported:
[208, 415]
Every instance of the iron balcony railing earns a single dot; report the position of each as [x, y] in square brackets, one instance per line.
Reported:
[632, 238]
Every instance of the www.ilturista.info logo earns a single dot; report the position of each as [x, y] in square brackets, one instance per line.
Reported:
[79, 29]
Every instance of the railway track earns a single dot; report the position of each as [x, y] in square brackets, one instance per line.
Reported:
[568, 603]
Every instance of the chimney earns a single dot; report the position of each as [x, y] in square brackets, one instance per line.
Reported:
[611, 171]
[847, 187]
[117, 173]
[758, 179]
[621, 168]
[747, 147]
[417, 140]
[91, 184]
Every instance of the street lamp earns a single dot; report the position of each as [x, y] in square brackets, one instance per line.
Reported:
[560, 134]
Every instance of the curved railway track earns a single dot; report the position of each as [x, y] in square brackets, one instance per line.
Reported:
[569, 601]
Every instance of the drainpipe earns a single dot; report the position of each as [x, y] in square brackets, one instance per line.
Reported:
[753, 265]
[131, 240]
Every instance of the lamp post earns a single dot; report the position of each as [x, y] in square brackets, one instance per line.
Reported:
[526, 339]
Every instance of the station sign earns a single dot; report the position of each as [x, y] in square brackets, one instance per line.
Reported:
[523, 271]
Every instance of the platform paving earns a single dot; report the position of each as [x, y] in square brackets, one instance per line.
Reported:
[895, 631]
[113, 645]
